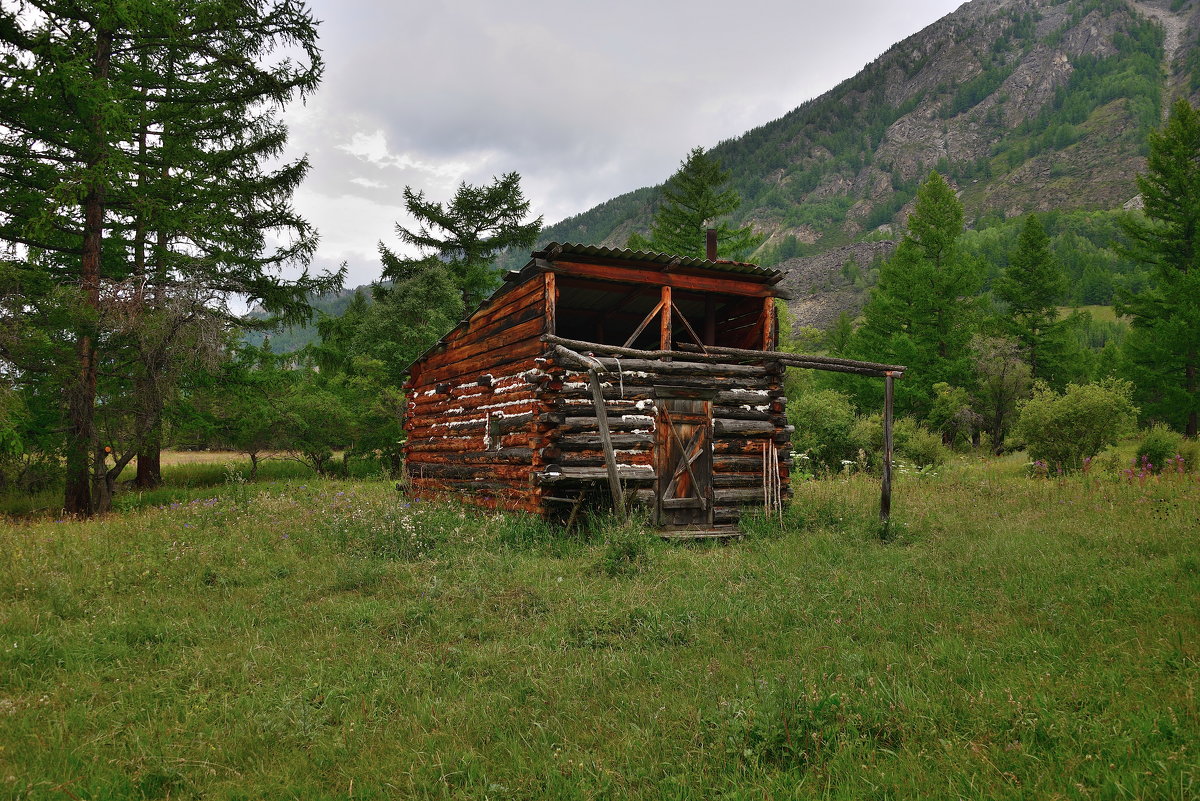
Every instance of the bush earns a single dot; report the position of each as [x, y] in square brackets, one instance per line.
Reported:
[920, 446]
[1159, 445]
[824, 421]
[911, 441]
[1063, 430]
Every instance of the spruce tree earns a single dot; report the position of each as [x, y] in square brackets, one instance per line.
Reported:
[1032, 285]
[1163, 347]
[693, 200]
[923, 310]
[464, 235]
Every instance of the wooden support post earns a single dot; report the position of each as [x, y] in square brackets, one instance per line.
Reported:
[664, 331]
[551, 303]
[610, 456]
[885, 499]
[768, 324]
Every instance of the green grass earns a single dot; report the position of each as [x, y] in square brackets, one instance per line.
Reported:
[1010, 638]
[1101, 314]
[183, 481]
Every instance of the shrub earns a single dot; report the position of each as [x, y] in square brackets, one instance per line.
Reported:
[1159, 445]
[921, 446]
[1063, 430]
[911, 442]
[824, 421]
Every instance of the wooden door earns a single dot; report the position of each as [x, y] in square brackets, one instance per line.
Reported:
[684, 461]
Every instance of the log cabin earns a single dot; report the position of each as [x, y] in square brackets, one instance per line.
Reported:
[603, 376]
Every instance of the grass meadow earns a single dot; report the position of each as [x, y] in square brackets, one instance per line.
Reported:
[1010, 637]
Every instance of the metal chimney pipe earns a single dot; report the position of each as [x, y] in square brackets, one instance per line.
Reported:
[710, 244]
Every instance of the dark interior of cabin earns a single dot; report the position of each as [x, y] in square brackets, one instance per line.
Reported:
[609, 313]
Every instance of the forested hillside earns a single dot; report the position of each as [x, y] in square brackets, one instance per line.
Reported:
[1025, 105]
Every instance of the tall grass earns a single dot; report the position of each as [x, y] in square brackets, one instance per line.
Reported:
[1022, 638]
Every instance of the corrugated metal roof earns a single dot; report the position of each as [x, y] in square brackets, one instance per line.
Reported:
[556, 250]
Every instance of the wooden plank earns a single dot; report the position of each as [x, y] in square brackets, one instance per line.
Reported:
[501, 333]
[521, 297]
[551, 297]
[768, 324]
[677, 280]
[610, 458]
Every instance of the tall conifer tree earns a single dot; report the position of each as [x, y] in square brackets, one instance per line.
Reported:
[695, 199]
[1032, 285]
[1163, 347]
[922, 311]
[132, 137]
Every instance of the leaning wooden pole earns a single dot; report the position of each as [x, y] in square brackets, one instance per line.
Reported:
[885, 500]
[610, 456]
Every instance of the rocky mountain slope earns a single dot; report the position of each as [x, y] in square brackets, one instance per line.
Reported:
[1025, 105]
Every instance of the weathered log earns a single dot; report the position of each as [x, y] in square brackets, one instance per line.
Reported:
[616, 422]
[566, 475]
[636, 355]
[509, 475]
[753, 413]
[596, 458]
[723, 427]
[512, 357]
[591, 442]
[800, 360]
[518, 455]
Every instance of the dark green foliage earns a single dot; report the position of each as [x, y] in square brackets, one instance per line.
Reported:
[923, 310]
[464, 235]
[823, 422]
[1163, 348]
[1159, 448]
[134, 142]
[1062, 430]
[694, 199]
[1033, 285]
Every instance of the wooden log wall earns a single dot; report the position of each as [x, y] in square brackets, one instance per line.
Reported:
[474, 412]
[748, 414]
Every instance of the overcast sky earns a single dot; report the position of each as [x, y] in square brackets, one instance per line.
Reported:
[585, 100]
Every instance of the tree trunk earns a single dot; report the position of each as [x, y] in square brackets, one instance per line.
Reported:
[82, 403]
[253, 466]
[149, 462]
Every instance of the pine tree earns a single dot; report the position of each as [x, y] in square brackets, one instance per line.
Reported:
[1163, 347]
[923, 309]
[1032, 285]
[132, 138]
[464, 235]
[693, 200]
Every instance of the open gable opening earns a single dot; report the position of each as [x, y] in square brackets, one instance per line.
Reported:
[610, 313]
